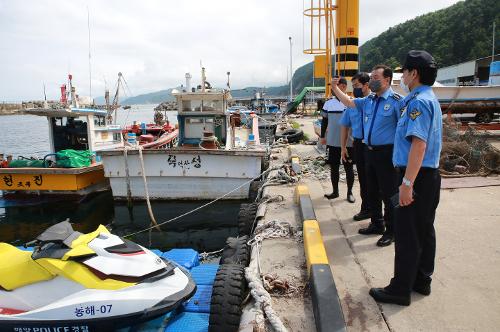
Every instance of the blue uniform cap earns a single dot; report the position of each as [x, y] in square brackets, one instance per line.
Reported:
[419, 59]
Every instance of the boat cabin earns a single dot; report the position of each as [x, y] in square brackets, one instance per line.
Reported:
[201, 112]
[79, 129]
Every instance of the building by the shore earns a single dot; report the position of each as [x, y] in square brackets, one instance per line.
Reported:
[474, 72]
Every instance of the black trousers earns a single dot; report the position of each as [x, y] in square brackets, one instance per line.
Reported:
[359, 159]
[381, 182]
[334, 159]
[415, 239]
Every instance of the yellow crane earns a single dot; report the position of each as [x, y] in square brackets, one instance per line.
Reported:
[320, 17]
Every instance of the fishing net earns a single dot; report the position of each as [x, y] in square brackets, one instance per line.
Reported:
[467, 154]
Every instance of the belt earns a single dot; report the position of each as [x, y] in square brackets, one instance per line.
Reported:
[402, 169]
[379, 147]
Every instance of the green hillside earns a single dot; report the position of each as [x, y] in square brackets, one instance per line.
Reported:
[459, 33]
[150, 98]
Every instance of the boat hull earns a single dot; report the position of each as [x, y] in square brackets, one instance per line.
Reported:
[60, 181]
[193, 174]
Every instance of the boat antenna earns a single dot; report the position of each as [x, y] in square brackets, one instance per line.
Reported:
[90, 64]
[45, 105]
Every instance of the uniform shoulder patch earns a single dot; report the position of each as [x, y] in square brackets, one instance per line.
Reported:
[397, 96]
[372, 95]
[415, 114]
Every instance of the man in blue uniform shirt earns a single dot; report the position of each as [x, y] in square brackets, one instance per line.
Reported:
[352, 119]
[330, 127]
[380, 112]
[417, 148]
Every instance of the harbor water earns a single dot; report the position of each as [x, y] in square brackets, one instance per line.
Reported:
[204, 230]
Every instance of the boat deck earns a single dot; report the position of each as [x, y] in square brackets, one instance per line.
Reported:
[39, 170]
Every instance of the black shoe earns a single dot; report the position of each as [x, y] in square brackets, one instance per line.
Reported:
[362, 215]
[371, 229]
[332, 195]
[350, 198]
[382, 295]
[385, 240]
[422, 289]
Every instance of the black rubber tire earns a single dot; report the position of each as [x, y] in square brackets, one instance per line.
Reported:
[254, 188]
[246, 218]
[485, 117]
[228, 293]
[236, 251]
[291, 135]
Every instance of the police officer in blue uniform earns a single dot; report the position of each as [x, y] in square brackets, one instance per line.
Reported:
[352, 119]
[332, 112]
[417, 148]
[380, 112]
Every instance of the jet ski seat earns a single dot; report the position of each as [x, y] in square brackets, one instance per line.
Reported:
[17, 269]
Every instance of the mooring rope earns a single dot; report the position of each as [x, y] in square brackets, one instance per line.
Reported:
[269, 230]
[146, 191]
[206, 204]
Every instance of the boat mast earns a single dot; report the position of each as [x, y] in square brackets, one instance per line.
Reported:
[90, 63]
[114, 106]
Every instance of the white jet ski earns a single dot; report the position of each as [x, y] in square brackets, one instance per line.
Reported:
[86, 282]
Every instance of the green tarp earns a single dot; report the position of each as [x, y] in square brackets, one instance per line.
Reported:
[20, 163]
[73, 158]
[64, 158]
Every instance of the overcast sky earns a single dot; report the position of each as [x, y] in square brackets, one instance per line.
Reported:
[155, 42]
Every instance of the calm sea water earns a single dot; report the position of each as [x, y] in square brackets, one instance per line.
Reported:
[205, 230]
[27, 135]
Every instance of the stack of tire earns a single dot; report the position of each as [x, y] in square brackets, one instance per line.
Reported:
[291, 135]
[230, 286]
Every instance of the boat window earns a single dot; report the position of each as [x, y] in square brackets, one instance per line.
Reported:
[194, 127]
[201, 105]
[186, 105]
[99, 121]
[70, 133]
[194, 120]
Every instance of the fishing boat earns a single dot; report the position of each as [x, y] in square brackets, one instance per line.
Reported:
[81, 130]
[483, 101]
[216, 155]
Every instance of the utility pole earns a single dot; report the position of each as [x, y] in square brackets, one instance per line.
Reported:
[493, 44]
[291, 70]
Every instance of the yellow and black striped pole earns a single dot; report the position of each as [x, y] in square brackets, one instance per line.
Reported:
[346, 38]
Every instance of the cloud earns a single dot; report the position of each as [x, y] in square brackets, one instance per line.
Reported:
[153, 42]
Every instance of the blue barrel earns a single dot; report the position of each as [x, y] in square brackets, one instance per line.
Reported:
[131, 138]
[495, 73]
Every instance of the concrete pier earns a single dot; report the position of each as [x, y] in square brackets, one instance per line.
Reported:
[466, 284]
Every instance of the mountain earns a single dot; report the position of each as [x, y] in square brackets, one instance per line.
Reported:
[150, 98]
[147, 98]
[459, 33]
[270, 91]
